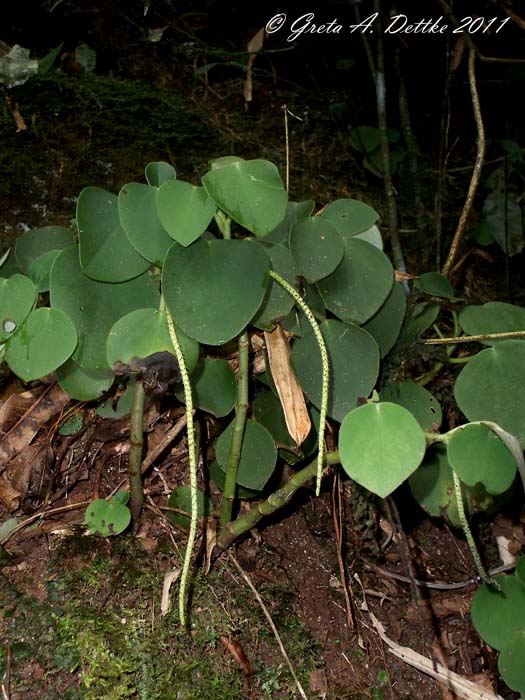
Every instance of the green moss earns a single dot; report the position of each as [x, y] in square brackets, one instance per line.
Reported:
[95, 129]
[100, 635]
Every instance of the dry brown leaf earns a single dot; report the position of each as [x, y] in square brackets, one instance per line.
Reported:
[290, 393]
[238, 654]
[27, 472]
[29, 423]
[254, 46]
[8, 495]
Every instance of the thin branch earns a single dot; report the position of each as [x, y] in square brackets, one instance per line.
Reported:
[474, 338]
[454, 248]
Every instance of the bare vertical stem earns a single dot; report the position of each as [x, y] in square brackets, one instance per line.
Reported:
[382, 121]
[136, 446]
[241, 410]
[456, 242]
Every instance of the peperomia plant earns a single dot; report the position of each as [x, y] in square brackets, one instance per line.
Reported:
[171, 270]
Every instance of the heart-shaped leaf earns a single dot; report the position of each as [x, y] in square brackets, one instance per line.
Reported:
[33, 244]
[159, 172]
[499, 618]
[494, 317]
[416, 399]
[106, 255]
[180, 499]
[17, 298]
[380, 445]
[107, 518]
[95, 306]
[214, 387]
[258, 455]
[251, 192]
[354, 366]
[184, 210]
[432, 486]
[492, 387]
[144, 332]
[137, 208]
[213, 288]
[360, 284]
[294, 212]
[477, 454]
[277, 302]
[350, 216]
[84, 384]
[385, 325]
[316, 247]
[45, 341]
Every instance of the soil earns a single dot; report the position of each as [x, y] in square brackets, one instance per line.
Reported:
[81, 615]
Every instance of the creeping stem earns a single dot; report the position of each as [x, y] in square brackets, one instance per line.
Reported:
[193, 465]
[325, 371]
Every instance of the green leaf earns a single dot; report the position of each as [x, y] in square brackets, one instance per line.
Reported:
[372, 236]
[380, 445]
[503, 214]
[494, 317]
[17, 298]
[294, 212]
[364, 139]
[354, 366]
[361, 283]
[83, 384]
[213, 386]
[277, 302]
[496, 615]
[316, 247]
[107, 518]
[251, 192]
[219, 477]
[137, 208]
[40, 269]
[492, 387]
[8, 264]
[416, 399]
[477, 454]
[510, 662]
[184, 210]
[350, 216]
[385, 325]
[435, 284]
[432, 486]
[143, 332]
[95, 306]
[213, 288]
[268, 411]
[106, 255]
[45, 341]
[72, 425]
[258, 455]
[33, 244]
[157, 173]
[418, 319]
[180, 498]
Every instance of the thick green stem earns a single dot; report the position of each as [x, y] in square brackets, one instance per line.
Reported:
[276, 500]
[241, 410]
[136, 446]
